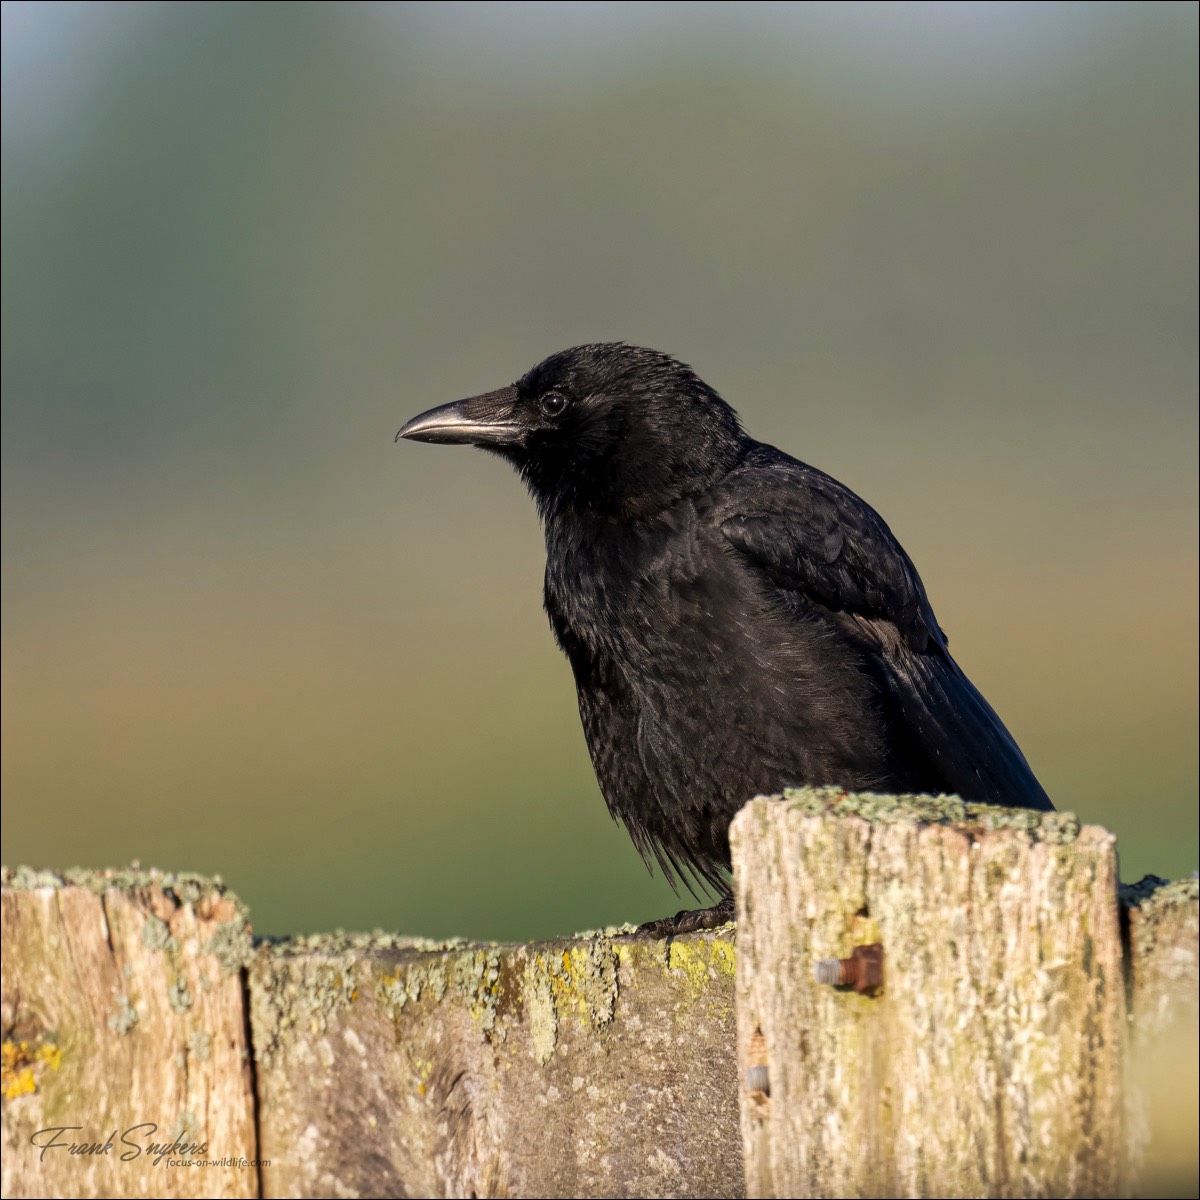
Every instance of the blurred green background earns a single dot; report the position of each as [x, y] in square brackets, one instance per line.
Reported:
[945, 251]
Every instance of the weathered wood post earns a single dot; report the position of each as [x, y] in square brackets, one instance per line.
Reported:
[597, 1066]
[381, 1066]
[988, 1057]
[125, 1035]
[932, 999]
[1162, 1109]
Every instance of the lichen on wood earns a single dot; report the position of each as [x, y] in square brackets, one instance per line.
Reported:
[988, 1065]
[990, 1055]
[594, 1066]
[124, 1029]
[1162, 1104]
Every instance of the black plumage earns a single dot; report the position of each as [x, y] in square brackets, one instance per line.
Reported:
[737, 621]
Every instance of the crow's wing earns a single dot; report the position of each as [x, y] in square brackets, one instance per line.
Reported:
[825, 550]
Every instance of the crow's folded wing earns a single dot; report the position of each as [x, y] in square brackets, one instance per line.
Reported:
[825, 551]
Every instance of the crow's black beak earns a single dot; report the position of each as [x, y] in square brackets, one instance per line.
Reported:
[488, 420]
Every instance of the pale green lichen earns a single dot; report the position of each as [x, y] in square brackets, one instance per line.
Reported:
[339, 942]
[436, 980]
[409, 980]
[1053, 827]
[1152, 894]
[186, 1128]
[601, 982]
[609, 932]
[476, 977]
[541, 1013]
[231, 945]
[29, 879]
[200, 1045]
[393, 992]
[156, 935]
[291, 993]
[270, 1008]
[294, 991]
[1153, 903]
[576, 979]
[186, 886]
[231, 942]
[330, 987]
[583, 980]
[179, 996]
[125, 1017]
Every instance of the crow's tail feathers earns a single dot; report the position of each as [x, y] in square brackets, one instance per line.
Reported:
[947, 730]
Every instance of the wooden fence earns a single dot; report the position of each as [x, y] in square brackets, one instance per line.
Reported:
[923, 998]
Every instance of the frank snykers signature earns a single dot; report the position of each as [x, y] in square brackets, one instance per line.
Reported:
[135, 1139]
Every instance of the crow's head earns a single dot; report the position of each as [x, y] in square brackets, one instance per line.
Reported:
[607, 429]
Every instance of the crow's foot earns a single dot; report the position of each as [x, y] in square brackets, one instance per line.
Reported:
[688, 921]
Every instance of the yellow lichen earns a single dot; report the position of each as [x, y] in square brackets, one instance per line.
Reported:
[424, 1070]
[582, 982]
[702, 961]
[51, 1055]
[17, 1063]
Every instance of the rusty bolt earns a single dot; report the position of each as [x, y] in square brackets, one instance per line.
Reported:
[757, 1078]
[863, 970]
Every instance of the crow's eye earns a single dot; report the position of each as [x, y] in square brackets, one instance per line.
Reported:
[553, 404]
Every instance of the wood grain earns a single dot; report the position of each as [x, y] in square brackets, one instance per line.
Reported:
[124, 1027]
[1034, 1033]
[592, 1067]
[990, 1063]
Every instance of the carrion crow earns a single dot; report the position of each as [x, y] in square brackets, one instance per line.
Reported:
[737, 621]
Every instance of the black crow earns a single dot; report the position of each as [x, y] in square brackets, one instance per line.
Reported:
[737, 621]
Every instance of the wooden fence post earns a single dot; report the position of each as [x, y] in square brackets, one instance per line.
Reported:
[125, 1035]
[1163, 1109]
[595, 1066]
[932, 999]
[381, 1066]
[989, 1061]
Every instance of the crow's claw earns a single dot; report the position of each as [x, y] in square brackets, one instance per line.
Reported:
[688, 921]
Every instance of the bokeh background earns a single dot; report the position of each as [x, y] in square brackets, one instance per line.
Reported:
[945, 251]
